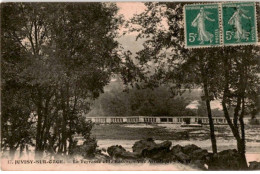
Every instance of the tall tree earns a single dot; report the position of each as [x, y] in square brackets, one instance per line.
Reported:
[69, 53]
[225, 73]
[240, 81]
[165, 60]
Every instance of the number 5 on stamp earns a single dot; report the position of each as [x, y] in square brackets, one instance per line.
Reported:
[201, 25]
[239, 23]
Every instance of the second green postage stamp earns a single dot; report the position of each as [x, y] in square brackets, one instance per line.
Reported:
[239, 23]
[202, 25]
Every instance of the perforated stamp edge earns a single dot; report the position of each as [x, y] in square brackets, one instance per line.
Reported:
[185, 27]
[256, 24]
[220, 26]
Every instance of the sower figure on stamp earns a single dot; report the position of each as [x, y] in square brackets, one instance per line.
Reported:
[236, 21]
[199, 22]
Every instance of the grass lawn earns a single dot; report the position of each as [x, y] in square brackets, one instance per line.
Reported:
[126, 134]
[123, 132]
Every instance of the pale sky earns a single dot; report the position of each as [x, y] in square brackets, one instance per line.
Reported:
[128, 9]
[215, 104]
[128, 41]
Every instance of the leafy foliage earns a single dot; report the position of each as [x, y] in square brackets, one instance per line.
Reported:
[145, 102]
[229, 73]
[57, 57]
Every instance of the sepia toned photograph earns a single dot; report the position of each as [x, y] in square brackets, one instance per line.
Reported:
[130, 86]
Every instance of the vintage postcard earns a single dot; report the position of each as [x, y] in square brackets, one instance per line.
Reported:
[130, 86]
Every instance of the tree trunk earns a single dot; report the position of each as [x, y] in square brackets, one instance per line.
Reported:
[241, 151]
[211, 124]
[204, 76]
[71, 143]
[64, 133]
[12, 152]
[21, 150]
[38, 148]
[64, 123]
[242, 142]
[234, 127]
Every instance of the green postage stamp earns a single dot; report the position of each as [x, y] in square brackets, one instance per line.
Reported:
[202, 25]
[220, 24]
[239, 23]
